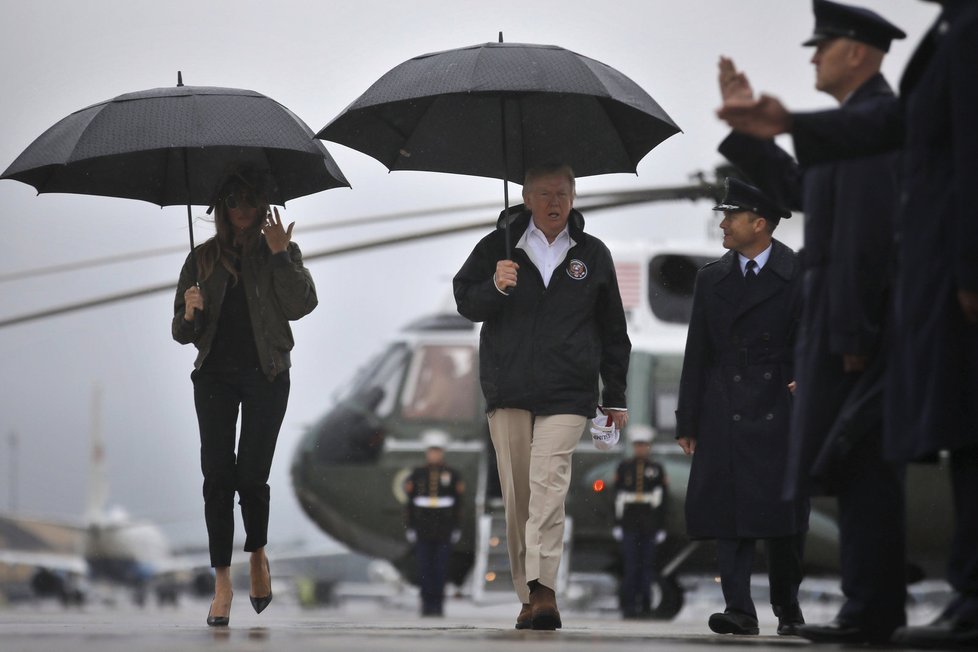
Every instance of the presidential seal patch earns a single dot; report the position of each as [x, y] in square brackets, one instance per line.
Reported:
[576, 269]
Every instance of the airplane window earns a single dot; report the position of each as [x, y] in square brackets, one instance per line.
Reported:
[671, 278]
[441, 384]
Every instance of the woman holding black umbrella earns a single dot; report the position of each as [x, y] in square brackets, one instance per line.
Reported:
[251, 284]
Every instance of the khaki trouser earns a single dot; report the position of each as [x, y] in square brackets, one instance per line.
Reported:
[533, 455]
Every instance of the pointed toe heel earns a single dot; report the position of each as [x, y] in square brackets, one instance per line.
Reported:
[218, 621]
[260, 603]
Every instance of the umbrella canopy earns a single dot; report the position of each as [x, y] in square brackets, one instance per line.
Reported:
[172, 146]
[496, 109]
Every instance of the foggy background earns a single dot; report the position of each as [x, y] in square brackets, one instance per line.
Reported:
[59, 56]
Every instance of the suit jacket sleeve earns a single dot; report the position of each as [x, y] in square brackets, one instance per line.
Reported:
[476, 296]
[862, 129]
[768, 166]
[615, 345]
[692, 383]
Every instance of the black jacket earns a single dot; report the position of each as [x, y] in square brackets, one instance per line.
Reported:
[542, 348]
[734, 400]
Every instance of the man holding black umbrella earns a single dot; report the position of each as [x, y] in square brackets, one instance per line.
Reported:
[553, 321]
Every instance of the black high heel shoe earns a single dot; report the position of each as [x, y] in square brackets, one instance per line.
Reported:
[259, 603]
[219, 621]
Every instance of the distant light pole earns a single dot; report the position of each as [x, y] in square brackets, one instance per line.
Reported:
[14, 445]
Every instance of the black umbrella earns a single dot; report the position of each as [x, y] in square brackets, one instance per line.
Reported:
[172, 146]
[496, 109]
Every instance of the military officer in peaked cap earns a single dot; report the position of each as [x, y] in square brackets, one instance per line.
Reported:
[735, 407]
[839, 362]
[640, 500]
[434, 507]
[835, 20]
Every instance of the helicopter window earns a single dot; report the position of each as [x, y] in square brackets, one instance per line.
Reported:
[441, 384]
[671, 279]
[377, 383]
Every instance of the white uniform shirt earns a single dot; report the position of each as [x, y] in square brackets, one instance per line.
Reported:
[545, 255]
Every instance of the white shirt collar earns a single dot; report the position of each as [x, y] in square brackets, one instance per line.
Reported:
[546, 256]
[760, 259]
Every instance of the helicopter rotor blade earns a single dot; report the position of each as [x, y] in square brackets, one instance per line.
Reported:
[591, 203]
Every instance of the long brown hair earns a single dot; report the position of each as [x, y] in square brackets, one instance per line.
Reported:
[227, 245]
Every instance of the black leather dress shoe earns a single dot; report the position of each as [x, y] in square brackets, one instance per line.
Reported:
[789, 620]
[731, 622]
[839, 631]
[789, 627]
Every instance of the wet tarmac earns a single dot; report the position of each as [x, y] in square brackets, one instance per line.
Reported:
[365, 627]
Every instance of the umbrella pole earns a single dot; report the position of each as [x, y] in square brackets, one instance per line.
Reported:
[198, 322]
[502, 113]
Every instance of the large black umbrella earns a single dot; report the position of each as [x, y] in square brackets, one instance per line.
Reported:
[172, 146]
[496, 109]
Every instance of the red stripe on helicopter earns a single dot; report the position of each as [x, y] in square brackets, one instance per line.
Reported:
[629, 284]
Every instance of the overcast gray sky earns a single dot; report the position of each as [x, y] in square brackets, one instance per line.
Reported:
[57, 56]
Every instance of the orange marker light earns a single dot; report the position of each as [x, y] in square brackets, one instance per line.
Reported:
[598, 486]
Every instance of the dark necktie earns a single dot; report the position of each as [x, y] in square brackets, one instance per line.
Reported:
[750, 275]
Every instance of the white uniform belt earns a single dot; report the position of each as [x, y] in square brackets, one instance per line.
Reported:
[653, 498]
[434, 501]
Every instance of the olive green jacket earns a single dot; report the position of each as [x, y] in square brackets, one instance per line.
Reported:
[278, 289]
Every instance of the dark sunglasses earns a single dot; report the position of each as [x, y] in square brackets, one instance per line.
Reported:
[232, 201]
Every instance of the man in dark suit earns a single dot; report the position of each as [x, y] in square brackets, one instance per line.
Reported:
[837, 420]
[735, 408]
[932, 379]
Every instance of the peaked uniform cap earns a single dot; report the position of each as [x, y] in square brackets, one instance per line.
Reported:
[739, 196]
[833, 20]
[435, 439]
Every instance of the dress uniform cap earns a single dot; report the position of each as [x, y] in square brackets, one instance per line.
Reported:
[833, 20]
[434, 439]
[740, 196]
[640, 434]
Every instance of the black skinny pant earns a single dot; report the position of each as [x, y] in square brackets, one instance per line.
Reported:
[218, 397]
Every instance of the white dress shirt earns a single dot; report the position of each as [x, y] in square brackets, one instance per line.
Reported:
[545, 255]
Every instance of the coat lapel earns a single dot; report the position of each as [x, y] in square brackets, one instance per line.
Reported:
[730, 287]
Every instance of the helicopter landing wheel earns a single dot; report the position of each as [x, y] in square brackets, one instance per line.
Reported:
[667, 598]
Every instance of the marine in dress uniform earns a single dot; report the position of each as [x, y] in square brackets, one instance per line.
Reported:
[837, 417]
[735, 407]
[433, 516]
[640, 499]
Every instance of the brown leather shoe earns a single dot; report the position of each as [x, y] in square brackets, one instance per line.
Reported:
[525, 619]
[543, 608]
